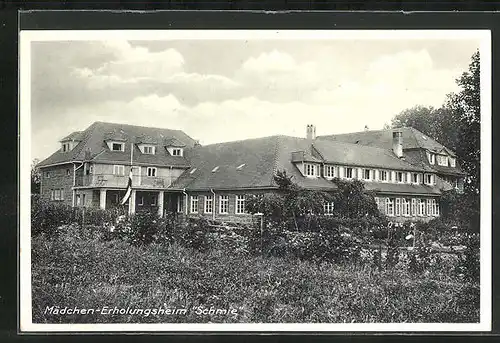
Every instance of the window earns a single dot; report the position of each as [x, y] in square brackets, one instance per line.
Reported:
[118, 170]
[328, 208]
[68, 172]
[398, 207]
[331, 171]
[118, 147]
[377, 201]
[194, 204]
[399, 177]
[154, 200]
[65, 147]
[442, 160]
[180, 203]
[176, 152]
[428, 179]
[223, 204]
[431, 157]
[348, 173]
[435, 208]
[415, 178]
[141, 201]
[209, 204]
[149, 149]
[452, 162]
[389, 207]
[240, 204]
[57, 194]
[78, 200]
[405, 210]
[47, 175]
[310, 169]
[366, 174]
[383, 175]
[413, 207]
[151, 171]
[421, 207]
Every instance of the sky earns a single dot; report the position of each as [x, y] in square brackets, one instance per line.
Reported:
[224, 90]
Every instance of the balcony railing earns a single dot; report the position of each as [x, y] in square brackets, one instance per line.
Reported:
[121, 181]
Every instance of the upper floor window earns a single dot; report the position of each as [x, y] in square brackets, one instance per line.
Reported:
[331, 171]
[428, 179]
[47, 175]
[366, 174]
[310, 169]
[348, 173]
[68, 172]
[151, 171]
[118, 146]
[415, 178]
[118, 170]
[176, 152]
[383, 175]
[442, 160]
[399, 177]
[452, 162]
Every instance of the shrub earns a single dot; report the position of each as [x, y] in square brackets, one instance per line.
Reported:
[47, 217]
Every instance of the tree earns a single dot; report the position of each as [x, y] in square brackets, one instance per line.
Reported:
[456, 124]
[353, 201]
[35, 177]
[465, 106]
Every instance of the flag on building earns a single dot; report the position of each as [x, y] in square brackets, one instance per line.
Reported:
[129, 188]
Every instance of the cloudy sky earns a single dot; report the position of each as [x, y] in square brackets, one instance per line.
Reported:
[227, 90]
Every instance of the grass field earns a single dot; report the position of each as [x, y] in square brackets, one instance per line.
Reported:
[87, 273]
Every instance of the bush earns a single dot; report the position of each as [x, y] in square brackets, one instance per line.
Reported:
[47, 217]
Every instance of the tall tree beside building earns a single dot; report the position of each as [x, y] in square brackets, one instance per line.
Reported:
[456, 124]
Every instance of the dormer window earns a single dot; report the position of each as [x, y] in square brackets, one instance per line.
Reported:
[429, 179]
[415, 178]
[177, 152]
[399, 177]
[442, 160]
[66, 147]
[147, 149]
[115, 146]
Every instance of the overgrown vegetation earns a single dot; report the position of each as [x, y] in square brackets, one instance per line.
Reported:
[332, 269]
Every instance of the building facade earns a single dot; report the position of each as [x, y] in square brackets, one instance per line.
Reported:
[171, 172]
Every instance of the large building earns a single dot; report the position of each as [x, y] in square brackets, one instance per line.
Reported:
[171, 172]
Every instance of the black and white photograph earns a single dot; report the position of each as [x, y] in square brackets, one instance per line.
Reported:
[255, 180]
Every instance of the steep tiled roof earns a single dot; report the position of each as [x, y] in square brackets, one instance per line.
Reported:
[93, 139]
[402, 188]
[264, 156]
[414, 142]
[412, 138]
[359, 155]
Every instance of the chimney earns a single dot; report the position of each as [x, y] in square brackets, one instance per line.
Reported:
[311, 133]
[197, 143]
[397, 143]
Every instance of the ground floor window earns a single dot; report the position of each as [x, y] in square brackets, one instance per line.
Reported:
[240, 204]
[398, 207]
[57, 194]
[328, 208]
[180, 203]
[389, 207]
[194, 204]
[223, 204]
[421, 207]
[209, 204]
[413, 207]
[405, 210]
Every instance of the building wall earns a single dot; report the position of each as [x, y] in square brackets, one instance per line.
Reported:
[58, 179]
[231, 216]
